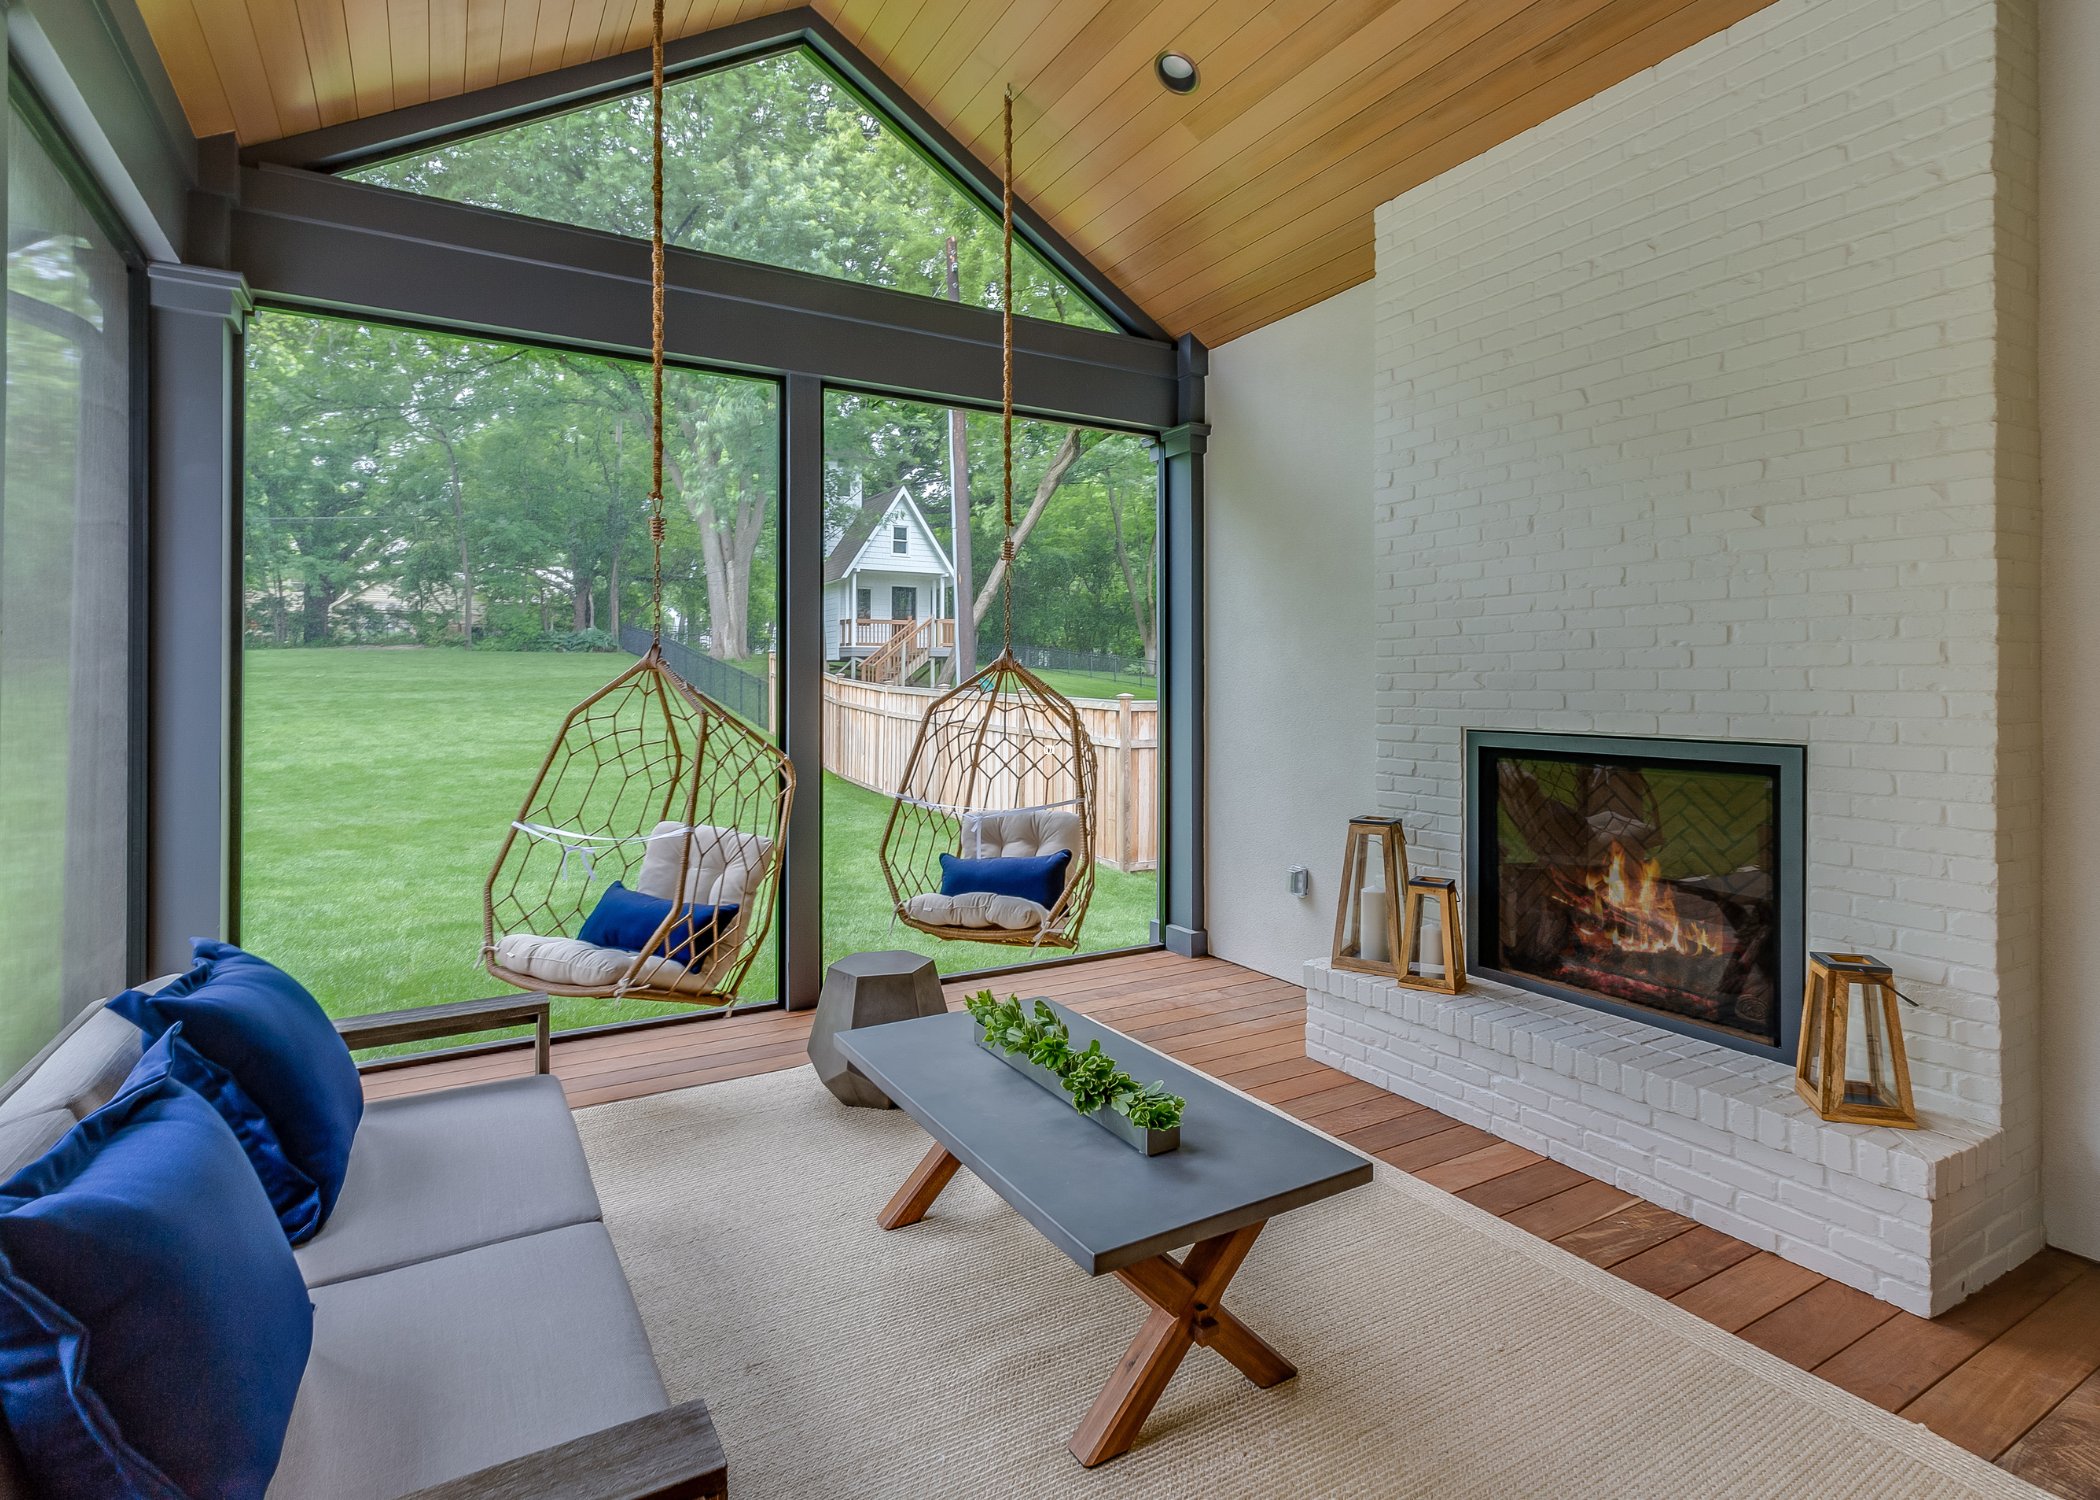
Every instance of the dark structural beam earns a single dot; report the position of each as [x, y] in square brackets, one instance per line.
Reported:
[194, 767]
[802, 684]
[1181, 623]
[306, 238]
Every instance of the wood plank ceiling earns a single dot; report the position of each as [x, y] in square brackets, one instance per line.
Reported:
[1218, 211]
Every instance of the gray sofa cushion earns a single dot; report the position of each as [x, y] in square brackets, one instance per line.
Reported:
[435, 1173]
[23, 1138]
[435, 1370]
[80, 1071]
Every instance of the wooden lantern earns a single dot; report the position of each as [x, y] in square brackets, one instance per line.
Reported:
[1422, 890]
[1372, 951]
[1851, 1067]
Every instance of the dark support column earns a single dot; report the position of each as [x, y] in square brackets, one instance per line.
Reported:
[193, 776]
[1181, 661]
[802, 622]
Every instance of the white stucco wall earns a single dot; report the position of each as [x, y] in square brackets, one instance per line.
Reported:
[1290, 641]
[2070, 399]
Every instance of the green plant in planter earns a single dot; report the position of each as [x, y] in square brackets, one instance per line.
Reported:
[1090, 1077]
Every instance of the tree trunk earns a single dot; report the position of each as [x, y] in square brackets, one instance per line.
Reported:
[466, 558]
[612, 595]
[320, 599]
[1141, 603]
[1067, 455]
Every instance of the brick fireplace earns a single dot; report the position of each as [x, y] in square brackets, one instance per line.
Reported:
[1700, 416]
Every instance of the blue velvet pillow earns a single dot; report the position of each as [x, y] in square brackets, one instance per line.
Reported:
[628, 919]
[293, 1195]
[259, 1024]
[153, 1323]
[623, 919]
[1041, 879]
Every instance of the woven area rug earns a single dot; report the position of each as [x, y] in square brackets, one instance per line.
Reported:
[1441, 1352]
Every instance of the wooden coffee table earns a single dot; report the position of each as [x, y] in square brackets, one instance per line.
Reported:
[1112, 1210]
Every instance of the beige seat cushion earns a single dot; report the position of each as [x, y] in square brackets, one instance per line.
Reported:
[976, 909]
[1024, 833]
[724, 865]
[572, 961]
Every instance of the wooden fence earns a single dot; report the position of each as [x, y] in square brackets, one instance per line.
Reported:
[869, 729]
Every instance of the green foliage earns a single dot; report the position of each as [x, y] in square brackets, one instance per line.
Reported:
[776, 160]
[1090, 1077]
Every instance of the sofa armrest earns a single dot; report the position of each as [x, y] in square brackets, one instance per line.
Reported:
[669, 1455]
[389, 1028]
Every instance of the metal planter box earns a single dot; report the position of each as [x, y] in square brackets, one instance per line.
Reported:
[1151, 1142]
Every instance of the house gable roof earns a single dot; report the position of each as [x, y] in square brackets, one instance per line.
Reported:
[847, 553]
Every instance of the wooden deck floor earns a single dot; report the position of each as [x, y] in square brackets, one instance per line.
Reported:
[2013, 1374]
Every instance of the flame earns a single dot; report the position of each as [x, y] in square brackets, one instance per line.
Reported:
[1626, 907]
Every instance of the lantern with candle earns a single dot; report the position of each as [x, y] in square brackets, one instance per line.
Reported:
[1367, 918]
[1851, 1067]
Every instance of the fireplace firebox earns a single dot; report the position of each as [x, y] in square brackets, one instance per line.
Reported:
[1657, 879]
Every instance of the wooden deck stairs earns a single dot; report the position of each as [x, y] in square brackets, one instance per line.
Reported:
[900, 659]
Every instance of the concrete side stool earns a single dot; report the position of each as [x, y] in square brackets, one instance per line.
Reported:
[869, 989]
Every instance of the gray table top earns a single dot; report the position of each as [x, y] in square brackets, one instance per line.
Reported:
[1104, 1204]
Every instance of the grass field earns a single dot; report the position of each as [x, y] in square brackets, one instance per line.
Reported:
[376, 786]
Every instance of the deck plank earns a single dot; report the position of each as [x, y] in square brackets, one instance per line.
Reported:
[1903, 1358]
[1564, 1213]
[1523, 1187]
[1735, 1298]
[2013, 1382]
[1624, 1233]
[1681, 1263]
[1817, 1324]
[2061, 1453]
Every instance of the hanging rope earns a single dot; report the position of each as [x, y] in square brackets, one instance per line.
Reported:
[656, 339]
[1006, 410]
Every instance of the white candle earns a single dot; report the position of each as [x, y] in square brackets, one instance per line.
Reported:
[1429, 943]
[1372, 946]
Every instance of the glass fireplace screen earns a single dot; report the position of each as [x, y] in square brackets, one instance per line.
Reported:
[1653, 886]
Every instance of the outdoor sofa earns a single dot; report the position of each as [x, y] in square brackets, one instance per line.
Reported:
[474, 1334]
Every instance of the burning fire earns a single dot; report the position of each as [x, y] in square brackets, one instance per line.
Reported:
[1627, 908]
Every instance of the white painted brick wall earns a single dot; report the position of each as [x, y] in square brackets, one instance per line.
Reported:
[1708, 409]
[1692, 420]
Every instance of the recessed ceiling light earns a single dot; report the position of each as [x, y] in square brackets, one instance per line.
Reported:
[1177, 72]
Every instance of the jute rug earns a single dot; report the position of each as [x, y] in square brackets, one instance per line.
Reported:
[1441, 1351]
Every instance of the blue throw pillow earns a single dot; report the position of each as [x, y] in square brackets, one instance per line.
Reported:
[259, 1024]
[628, 919]
[1041, 879]
[624, 919]
[153, 1324]
[293, 1195]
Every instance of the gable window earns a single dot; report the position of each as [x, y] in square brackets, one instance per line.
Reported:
[776, 160]
[899, 540]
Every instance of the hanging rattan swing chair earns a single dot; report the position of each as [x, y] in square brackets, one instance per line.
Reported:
[1002, 770]
[651, 785]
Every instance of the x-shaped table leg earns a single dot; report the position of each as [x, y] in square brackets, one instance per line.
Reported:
[1186, 1297]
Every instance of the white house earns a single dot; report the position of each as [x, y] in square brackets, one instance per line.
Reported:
[889, 591]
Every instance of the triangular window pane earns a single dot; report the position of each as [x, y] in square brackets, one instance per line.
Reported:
[774, 160]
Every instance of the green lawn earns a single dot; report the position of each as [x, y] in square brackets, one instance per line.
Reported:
[376, 788]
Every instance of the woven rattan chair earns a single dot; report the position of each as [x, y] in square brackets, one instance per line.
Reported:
[1003, 742]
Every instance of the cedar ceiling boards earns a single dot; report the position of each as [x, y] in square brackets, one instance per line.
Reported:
[1218, 211]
